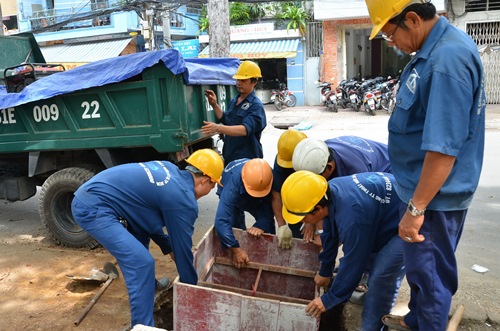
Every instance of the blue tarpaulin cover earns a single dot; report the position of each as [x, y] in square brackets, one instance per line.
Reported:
[212, 71]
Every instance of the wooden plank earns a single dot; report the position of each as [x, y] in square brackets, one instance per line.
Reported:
[270, 267]
[259, 314]
[255, 294]
[199, 308]
[256, 284]
[207, 269]
[294, 317]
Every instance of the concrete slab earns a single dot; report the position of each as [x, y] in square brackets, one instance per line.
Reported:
[286, 121]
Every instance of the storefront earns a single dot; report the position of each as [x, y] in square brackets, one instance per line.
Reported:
[280, 59]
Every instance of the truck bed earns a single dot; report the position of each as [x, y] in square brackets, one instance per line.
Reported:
[153, 99]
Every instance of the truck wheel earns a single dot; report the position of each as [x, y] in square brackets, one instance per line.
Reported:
[54, 207]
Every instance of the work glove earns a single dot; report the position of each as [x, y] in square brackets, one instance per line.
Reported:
[284, 237]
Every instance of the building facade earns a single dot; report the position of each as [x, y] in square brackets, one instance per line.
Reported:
[348, 53]
[279, 54]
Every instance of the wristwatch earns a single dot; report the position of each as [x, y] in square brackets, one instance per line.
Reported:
[414, 211]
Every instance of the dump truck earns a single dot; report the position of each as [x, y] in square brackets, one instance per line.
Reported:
[60, 130]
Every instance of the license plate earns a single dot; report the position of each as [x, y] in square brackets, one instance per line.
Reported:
[353, 97]
[339, 95]
[371, 102]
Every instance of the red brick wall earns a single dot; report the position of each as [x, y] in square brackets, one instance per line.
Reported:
[330, 58]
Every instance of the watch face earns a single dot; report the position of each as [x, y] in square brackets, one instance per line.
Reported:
[414, 211]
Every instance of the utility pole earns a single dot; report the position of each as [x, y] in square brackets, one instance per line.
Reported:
[165, 15]
[1, 21]
[218, 16]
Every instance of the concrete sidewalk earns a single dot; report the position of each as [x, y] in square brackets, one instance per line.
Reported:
[478, 292]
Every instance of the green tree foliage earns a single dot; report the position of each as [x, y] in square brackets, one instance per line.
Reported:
[239, 13]
[292, 14]
[297, 19]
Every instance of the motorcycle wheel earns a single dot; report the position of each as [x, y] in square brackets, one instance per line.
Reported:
[391, 107]
[355, 106]
[343, 104]
[385, 104]
[373, 112]
[335, 108]
[277, 104]
[291, 101]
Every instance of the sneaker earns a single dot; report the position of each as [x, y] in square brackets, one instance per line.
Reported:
[162, 284]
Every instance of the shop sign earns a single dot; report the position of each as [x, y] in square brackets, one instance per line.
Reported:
[188, 48]
[251, 30]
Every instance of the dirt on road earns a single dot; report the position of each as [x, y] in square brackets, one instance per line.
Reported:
[35, 292]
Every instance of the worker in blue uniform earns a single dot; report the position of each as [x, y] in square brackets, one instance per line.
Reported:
[246, 186]
[243, 122]
[344, 156]
[361, 212]
[436, 145]
[337, 157]
[149, 196]
[281, 170]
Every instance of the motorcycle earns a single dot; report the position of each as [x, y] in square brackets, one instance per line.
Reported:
[283, 96]
[388, 89]
[343, 92]
[369, 102]
[331, 101]
[355, 98]
[325, 89]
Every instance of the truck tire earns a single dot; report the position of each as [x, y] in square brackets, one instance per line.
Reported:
[54, 206]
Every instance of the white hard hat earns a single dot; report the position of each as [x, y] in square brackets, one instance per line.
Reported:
[310, 154]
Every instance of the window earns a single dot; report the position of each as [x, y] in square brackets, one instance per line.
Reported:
[481, 5]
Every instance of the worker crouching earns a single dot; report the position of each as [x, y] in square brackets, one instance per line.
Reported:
[361, 213]
[246, 187]
[150, 196]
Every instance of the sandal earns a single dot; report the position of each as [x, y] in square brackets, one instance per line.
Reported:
[363, 284]
[394, 322]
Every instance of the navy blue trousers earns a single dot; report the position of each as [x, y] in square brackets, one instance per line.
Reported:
[431, 270]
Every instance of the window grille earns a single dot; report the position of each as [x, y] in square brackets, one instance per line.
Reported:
[314, 41]
[481, 5]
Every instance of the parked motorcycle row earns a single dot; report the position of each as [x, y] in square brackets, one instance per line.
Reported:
[369, 95]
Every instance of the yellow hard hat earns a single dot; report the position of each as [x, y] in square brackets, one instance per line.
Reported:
[257, 177]
[300, 193]
[248, 69]
[209, 162]
[381, 11]
[286, 145]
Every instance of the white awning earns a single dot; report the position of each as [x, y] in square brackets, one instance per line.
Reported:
[270, 49]
[84, 52]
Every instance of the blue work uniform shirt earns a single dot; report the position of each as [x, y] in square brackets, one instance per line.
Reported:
[363, 216]
[234, 200]
[150, 195]
[440, 107]
[250, 113]
[354, 154]
[280, 174]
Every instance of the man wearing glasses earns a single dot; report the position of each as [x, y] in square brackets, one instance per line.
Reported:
[436, 143]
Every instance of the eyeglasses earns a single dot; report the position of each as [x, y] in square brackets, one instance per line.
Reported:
[389, 37]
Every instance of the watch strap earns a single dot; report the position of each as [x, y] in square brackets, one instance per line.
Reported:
[413, 210]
